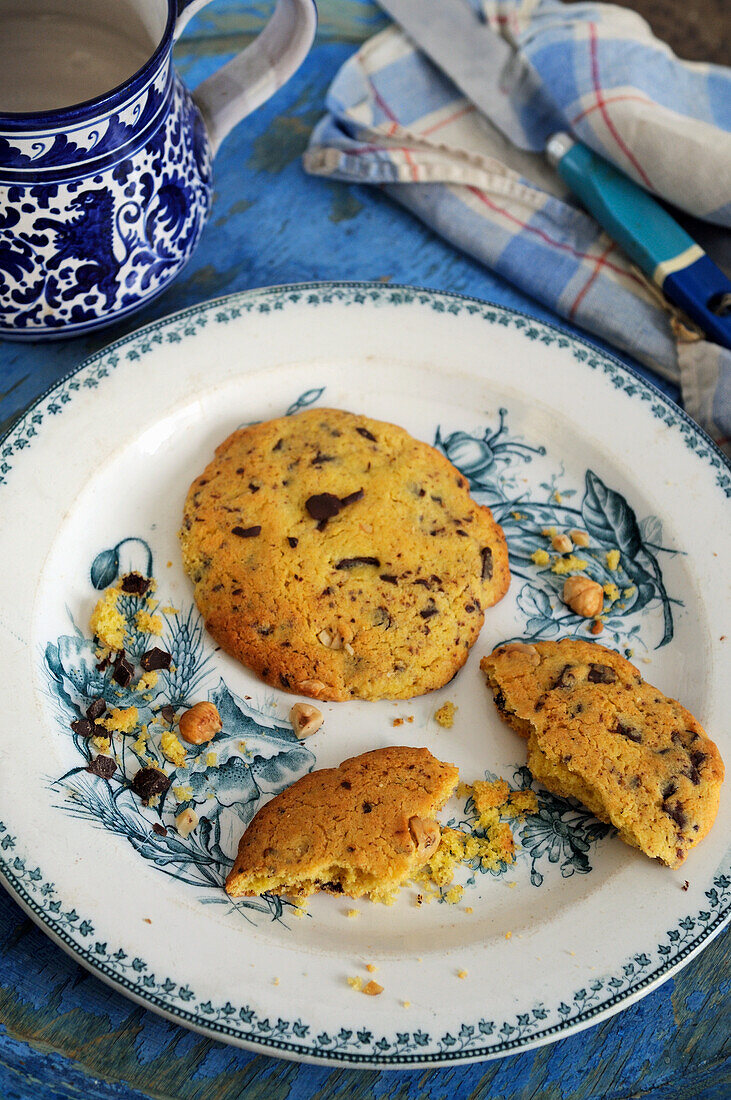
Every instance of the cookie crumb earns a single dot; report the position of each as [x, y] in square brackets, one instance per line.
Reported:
[685, 886]
[275, 981]
[147, 920]
[371, 968]
[508, 935]
[445, 715]
[406, 1004]
[353, 912]
[398, 722]
[613, 560]
[571, 564]
[462, 974]
[469, 909]
[372, 989]
[540, 557]
[172, 749]
[356, 983]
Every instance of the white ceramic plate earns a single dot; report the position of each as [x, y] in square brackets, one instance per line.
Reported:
[551, 433]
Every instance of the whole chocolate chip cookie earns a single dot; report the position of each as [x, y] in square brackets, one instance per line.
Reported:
[338, 557]
[598, 732]
[361, 829]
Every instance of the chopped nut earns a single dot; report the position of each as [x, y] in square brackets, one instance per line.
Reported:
[325, 638]
[305, 719]
[596, 627]
[522, 647]
[186, 822]
[562, 544]
[372, 989]
[200, 724]
[315, 688]
[580, 538]
[425, 834]
[584, 596]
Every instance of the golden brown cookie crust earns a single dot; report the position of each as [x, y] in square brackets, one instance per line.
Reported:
[362, 828]
[598, 732]
[339, 557]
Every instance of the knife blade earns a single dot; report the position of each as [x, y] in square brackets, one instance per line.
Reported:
[476, 59]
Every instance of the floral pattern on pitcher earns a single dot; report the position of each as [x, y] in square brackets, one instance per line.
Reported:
[133, 223]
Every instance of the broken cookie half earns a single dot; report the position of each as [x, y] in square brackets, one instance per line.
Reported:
[598, 732]
[361, 829]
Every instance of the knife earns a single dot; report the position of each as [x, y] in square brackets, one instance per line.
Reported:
[482, 65]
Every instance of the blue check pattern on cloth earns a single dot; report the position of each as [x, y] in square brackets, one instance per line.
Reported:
[395, 120]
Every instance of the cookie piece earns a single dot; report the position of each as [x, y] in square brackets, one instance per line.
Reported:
[598, 732]
[362, 828]
[338, 557]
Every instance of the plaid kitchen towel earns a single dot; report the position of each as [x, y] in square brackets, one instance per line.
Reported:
[397, 121]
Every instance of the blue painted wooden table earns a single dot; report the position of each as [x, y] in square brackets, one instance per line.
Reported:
[63, 1033]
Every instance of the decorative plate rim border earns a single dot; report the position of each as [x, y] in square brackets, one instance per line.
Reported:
[24, 429]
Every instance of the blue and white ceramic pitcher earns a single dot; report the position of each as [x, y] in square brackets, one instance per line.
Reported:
[104, 193]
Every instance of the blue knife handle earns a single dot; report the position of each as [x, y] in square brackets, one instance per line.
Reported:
[648, 234]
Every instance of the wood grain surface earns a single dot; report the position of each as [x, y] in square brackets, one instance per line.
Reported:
[64, 1035]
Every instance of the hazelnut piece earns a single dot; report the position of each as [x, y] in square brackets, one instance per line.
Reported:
[530, 651]
[315, 688]
[186, 822]
[584, 596]
[426, 835]
[305, 719]
[562, 544]
[199, 724]
[580, 538]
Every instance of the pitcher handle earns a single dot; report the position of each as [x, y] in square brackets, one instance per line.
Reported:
[255, 74]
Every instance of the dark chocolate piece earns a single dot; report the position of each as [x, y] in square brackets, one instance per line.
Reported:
[292, 541]
[629, 733]
[167, 713]
[352, 563]
[123, 672]
[323, 506]
[83, 727]
[366, 434]
[247, 532]
[135, 584]
[103, 766]
[367, 807]
[159, 829]
[389, 578]
[352, 497]
[155, 659]
[565, 679]
[96, 709]
[149, 782]
[601, 674]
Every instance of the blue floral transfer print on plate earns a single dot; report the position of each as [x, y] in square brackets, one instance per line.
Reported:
[491, 462]
[256, 754]
[562, 832]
